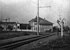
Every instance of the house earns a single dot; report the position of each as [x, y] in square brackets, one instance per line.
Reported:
[44, 25]
[13, 26]
[8, 25]
[24, 26]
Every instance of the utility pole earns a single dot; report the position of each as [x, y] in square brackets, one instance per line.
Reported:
[38, 15]
[7, 20]
[1, 18]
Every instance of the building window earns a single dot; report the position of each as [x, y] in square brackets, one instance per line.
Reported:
[35, 28]
[35, 23]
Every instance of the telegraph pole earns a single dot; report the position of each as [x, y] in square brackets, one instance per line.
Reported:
[37, 17]
[1, 16]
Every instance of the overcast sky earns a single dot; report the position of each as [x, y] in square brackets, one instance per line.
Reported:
[24, 10]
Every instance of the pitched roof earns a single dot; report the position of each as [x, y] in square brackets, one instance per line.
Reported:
[41, 21]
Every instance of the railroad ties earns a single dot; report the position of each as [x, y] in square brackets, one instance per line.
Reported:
[15, 44]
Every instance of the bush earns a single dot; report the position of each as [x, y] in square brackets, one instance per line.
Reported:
[66, 28]
[25, 26]
[26, 34]
[1, 28]
[10, 27]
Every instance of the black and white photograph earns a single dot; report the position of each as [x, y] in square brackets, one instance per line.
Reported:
[34, 24]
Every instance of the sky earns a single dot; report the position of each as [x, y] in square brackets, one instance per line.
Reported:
[24, 10]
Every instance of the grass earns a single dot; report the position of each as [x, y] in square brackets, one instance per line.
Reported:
[11, 34]
[62, 43]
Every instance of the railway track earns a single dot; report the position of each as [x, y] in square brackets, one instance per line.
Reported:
[15, 44]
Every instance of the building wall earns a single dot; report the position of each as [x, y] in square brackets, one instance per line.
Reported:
[33, 25]
[45, 27]
[42, 28]
[6, 25]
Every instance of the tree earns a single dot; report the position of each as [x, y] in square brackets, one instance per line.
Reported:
[58, 22]
[1, 28]
[10, 27]
[56, 29]
[29, 27]
[66, 28]
[61, 24]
